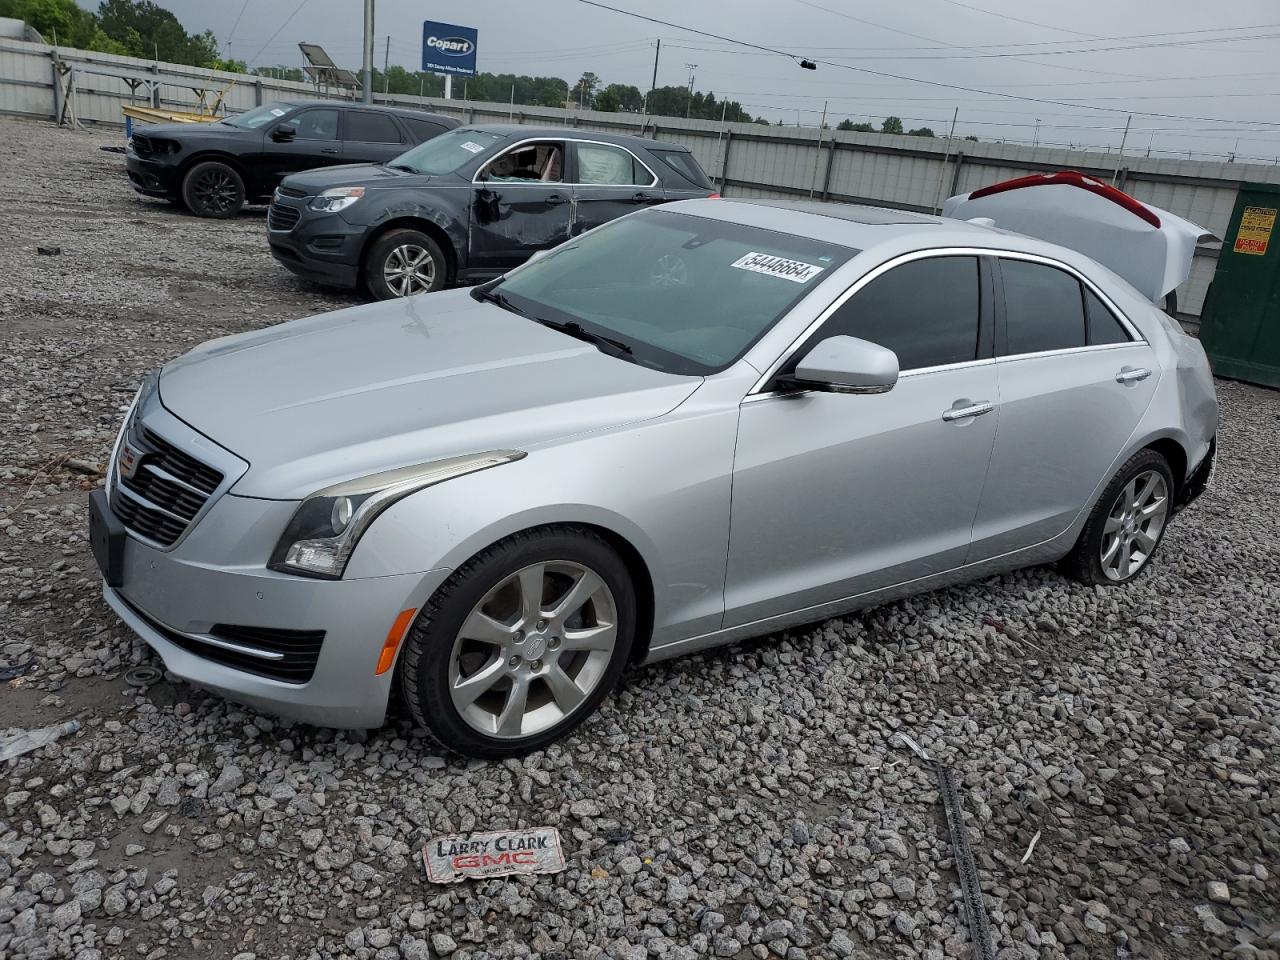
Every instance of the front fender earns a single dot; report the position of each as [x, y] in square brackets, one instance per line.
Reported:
[663, 486]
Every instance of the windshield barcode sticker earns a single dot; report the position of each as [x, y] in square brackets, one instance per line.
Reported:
[794, 270]
[471, 146]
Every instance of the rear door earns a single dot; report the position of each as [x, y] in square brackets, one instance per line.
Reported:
[371, 137]
[520, 205]
[1074, 380]
[609, 181]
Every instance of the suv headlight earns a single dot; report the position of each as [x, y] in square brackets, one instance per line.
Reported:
[326, 527]
[336, 198]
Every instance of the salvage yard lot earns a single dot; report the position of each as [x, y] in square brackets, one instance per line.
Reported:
[751, 802]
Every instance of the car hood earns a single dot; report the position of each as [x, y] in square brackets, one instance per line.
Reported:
[186, 131]
[352, 175]
[349, 393]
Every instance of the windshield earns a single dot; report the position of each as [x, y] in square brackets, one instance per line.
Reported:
[258, 116]
[686, 294]
[447, 152]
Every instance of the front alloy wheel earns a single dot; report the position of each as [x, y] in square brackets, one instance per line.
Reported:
[404, 262]
[521, 643]
[409, 269]
[533, 649]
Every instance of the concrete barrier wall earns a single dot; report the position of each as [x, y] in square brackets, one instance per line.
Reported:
[745, 160]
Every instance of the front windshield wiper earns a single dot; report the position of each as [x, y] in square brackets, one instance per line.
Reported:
[574, 329]
[400, 166]
[489, 296]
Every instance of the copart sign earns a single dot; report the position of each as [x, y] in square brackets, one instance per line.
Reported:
[475, 855]
[449, 48]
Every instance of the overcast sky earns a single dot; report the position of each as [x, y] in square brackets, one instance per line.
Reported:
[1217, 63]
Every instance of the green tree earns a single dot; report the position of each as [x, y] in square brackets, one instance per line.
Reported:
[891, 125]
[920, 132]
[150, 31]
[584, 90]
[857, 127]
[618, 97]
[972, 137]
[59, 21]
[279, 72]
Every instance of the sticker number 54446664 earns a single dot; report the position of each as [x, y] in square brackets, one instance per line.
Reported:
[796, 271]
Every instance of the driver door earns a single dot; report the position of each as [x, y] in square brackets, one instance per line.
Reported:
[317, 143]
[519, 205]
[835, 495]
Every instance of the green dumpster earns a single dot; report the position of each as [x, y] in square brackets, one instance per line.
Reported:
[1240, 323]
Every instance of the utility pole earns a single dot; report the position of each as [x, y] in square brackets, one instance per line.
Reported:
[817, 152]
[654, 84]
[368, 52]
[386, 62]
[688, 103]
[1036, 142]
[1120, 155]
[946, 158]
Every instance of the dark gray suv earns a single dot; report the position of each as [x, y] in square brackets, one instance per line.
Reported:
[468, 205]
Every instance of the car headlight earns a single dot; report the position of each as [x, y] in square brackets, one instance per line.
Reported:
[336, 198]
[326, 527]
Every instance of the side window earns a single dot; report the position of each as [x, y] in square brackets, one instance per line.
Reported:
[1043, 309]
[363, 126]
[926, 311]
[528, 163]
[423, 129]
[317, 125]
[605, 166]
[1103, 325]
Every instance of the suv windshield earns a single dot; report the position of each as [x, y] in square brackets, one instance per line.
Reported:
[258, 116]
[447, 152]
[684, 293]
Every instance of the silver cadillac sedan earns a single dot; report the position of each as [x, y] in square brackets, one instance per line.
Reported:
[696, 424]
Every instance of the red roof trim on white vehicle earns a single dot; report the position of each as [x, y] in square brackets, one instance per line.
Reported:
[1073, 178]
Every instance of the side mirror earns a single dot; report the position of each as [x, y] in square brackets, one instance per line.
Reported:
[286, 131]
[847, 365]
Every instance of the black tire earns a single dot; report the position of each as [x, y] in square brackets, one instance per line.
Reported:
[1084, 562]
[392, 251]
[213, 189]
[426, 663]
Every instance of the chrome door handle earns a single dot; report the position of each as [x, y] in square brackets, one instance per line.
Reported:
[1132, 374]
[964, 413]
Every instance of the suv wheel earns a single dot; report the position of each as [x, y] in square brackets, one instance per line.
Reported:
[1127, 523]
[403, 263]
[521, 644]
[213, 189]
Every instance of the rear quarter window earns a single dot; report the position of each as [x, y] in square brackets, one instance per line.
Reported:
[1043, 308]
[682, 162]
[421, 130]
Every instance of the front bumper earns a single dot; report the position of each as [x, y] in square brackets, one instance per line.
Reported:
[151, 178]
[180, 592]
[320, 247]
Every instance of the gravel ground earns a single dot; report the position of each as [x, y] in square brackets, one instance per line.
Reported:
[751, 802]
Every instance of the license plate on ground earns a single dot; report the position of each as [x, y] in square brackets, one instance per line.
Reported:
[106, 539]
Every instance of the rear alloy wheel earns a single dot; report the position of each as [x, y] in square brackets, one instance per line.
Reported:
[213, 189]
[1126, 525]
[404, 263]
[521, 644]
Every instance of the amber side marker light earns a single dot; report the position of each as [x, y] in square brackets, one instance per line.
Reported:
[394, 636]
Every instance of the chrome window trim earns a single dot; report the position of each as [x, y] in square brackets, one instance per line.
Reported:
[476, 181]
[771, 371]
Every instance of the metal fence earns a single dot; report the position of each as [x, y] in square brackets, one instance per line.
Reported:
[745, 160]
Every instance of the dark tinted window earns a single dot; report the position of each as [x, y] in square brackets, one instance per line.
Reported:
[925, 311]
[1043, 309]
[366, 127]
[423, 129]
[1103, 325]
[316, 125]
[684, 164]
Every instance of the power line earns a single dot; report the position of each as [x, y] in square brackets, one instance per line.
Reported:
[296, 11]
[1007, 16]
[933, 83]
[232, 32]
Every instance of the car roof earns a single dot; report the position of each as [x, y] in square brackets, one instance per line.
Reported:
[525, 132]
[380, 108]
